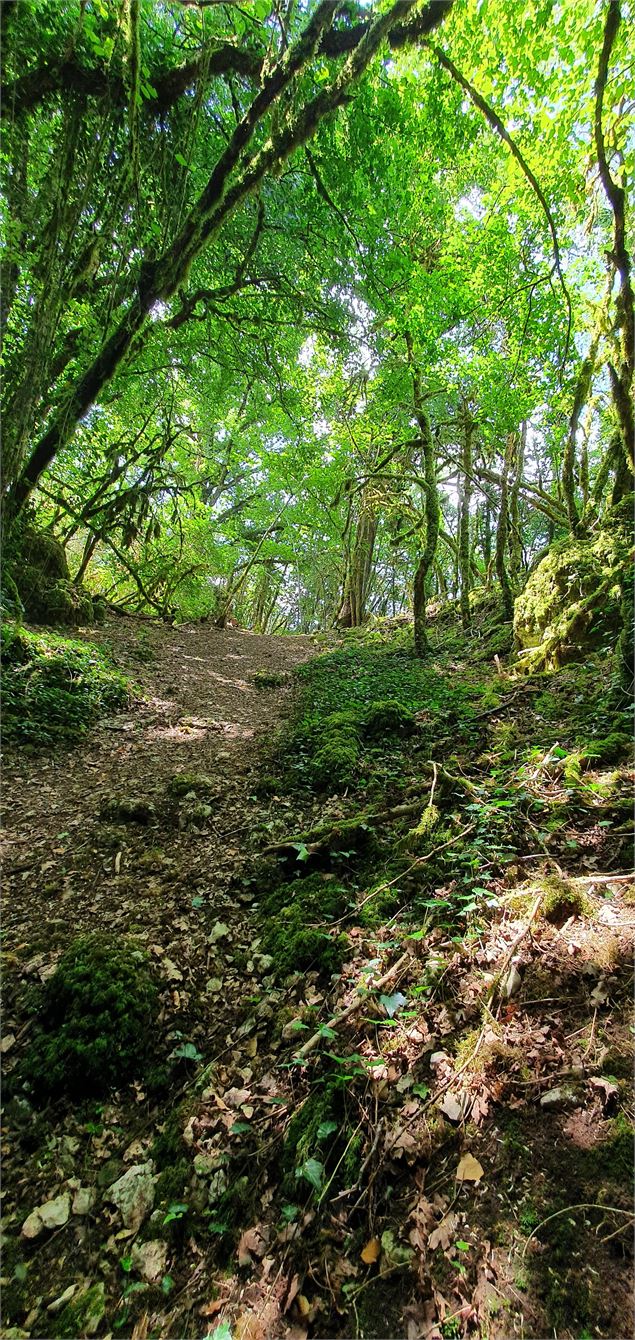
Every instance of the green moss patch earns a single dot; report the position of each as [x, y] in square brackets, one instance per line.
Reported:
[296, 934]
[94, 1027]
[53, 688]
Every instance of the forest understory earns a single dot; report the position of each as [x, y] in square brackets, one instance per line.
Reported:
[317, 335]
[451, 1157]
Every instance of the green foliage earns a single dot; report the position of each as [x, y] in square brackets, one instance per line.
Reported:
[357, 698]
[93, 1030]
[54, 689]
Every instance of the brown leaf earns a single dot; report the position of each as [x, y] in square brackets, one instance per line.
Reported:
[253, 1243]
[469, 1169]
[443, 1235]
[371, 1252]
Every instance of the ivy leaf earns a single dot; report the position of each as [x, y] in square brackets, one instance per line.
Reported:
[393, 1003]
[313, 1172]
[325, 1129]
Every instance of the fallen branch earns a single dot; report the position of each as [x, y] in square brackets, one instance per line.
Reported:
[338, 1019]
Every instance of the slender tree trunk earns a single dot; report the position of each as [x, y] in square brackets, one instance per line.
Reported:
[465, 496]
[432, 509]
[515, 535]
[502, 531]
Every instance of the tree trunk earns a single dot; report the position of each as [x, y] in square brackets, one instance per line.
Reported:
[502, 531]
[465, 496]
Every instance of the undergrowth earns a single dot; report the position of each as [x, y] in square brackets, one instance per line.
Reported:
[54, 688]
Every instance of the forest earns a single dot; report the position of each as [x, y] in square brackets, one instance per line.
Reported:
[318, 617]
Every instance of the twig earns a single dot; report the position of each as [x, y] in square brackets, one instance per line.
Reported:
[592, 1205]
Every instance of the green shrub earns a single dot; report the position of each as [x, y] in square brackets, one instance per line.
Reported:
[54, 689]
[94, 1027]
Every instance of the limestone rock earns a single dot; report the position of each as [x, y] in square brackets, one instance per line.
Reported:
[52, 1214]
[150, 1259]
[133, 1194]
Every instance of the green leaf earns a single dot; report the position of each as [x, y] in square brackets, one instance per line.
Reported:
[325, 1129]
[313, 1172]
[167, 1283]
[175, 1211]
[126, 1264]
[393, 1003]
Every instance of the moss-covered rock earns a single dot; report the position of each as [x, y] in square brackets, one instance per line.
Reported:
[335, 763]
[571, 603]
[43, 582]
[94, 1027]
[295, 933]
[127, 810]
[186, 783]
[388, 718]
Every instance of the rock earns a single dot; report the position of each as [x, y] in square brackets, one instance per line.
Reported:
[217, 1186]
[83, 1314]
[64, 1297]
[52, 1214]
[83, 1200]
[130, 809]
[133, 1195]
[556, 1100]
[150, 1259]
[109, 1172]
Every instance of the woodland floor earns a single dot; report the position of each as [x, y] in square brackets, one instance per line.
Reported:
[531, 1239]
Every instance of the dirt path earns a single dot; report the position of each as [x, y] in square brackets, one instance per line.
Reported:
[65, 867]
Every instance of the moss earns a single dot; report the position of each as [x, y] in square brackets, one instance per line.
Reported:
[54, 689]
[298, 948]
[43, 583]
[268, 679]
[94, 1027]
[571, 603]
[321, 1130]
[418, 839]
[561, 900]
[184, 783]
[611, 1160]
[388, 718]
[290, 933]
[334, 765]
[611, 749]
[81, 1316]
[128, 809]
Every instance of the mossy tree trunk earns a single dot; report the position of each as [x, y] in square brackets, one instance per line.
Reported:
[359, 568]
[515, 534]
[432, 510]
[621, 370]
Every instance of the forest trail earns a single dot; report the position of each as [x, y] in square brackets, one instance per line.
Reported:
[485, 1099]
[202, 714]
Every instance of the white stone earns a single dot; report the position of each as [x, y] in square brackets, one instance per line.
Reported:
[133, 1194]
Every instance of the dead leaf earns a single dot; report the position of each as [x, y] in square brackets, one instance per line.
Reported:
[469, 1169]
[253, 1243]
[443, 1235]
[371, 1252]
